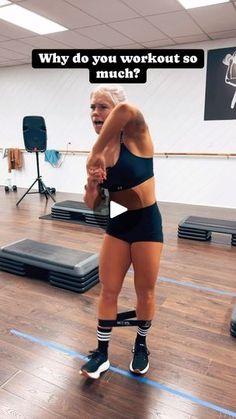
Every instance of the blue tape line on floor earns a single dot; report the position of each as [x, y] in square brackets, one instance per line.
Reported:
[192, 285]
[144, 380]
[197, 286]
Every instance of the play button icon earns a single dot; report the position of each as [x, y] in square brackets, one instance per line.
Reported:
[116, 209]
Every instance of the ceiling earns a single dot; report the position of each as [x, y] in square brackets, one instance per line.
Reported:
[116, 24]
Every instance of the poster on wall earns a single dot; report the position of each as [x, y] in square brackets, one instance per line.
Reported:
[220, 98]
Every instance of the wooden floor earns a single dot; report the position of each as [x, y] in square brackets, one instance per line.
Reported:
[193, 357]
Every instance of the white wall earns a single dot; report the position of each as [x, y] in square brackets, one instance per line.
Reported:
[173, 104]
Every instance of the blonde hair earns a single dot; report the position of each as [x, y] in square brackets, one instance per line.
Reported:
[115, 91]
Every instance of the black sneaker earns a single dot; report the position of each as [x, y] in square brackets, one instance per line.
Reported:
[139, 364]
[98, 363]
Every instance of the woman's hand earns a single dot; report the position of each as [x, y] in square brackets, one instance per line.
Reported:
[92, 197]
[96, 167]
[93, 182]
[97, 175]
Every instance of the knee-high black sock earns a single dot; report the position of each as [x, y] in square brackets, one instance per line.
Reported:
[142, 334]
[103, 335]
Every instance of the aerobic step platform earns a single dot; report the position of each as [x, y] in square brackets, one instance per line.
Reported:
[233, 322]
[73, 210]
[200, 228]
[70, 269]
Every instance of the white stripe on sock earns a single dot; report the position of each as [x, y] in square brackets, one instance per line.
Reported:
[142, 332]
[103, 336]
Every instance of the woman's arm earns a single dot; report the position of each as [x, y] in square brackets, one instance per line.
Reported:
[115, 122]
[93, 192]
[92, 196]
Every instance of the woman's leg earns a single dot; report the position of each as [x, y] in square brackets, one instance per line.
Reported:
[146, 260]
[114, 262]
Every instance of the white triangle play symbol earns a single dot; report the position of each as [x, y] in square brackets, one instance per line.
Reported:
[116, 209]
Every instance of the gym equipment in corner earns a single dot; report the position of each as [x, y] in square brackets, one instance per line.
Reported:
[8, 188]
[10, 183]
[78, 211]
[200, 228]
[66, 268]
[35, 139]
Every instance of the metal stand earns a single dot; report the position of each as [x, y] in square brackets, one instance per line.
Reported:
[42, 188]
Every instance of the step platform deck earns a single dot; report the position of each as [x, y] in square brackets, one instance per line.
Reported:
[201, 228]
[74, 210]
[66, 268]
[233, 322]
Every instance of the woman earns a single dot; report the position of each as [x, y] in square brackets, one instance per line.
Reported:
[121, 160]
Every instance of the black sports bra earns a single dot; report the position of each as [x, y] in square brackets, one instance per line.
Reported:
[129, 171]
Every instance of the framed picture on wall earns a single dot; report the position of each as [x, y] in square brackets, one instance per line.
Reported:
[220, 97]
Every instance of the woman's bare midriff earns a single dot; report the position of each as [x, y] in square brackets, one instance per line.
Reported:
[140, 196]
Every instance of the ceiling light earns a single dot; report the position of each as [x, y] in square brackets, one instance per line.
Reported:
[29, 20]
[191, 4]
[4, 2]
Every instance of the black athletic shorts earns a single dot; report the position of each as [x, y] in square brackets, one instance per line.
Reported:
[143, 224]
